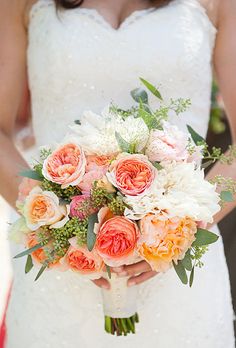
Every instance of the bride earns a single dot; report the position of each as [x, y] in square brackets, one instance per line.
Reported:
[83, 55]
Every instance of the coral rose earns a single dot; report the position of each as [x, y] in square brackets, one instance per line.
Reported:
[65, 166]
[132, 174]
[116, 238]
[81, 207]
[164, 240]
[80, 259]
[42, 208]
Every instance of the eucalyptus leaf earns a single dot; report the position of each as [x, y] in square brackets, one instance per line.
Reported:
[226, 196]
[28, 251]
[195, 136]
[139, 95]
[151, 88]
[187, 261]
[42, 269]
[149, 119]
[157, 165]
[191, 277]
[207, 164]
[123, 144]
[108, 268]
[181, 272]
[29, 264]
[32, 174]
[91, 236]
[204, 237]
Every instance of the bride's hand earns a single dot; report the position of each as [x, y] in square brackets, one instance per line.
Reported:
[138, 273]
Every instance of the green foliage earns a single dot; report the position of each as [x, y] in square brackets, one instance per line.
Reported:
[31, 174]
[91, 236]
[139, 95]
[42, 269]
[29, 264]
[45, 153]
[117, 206]
[198, 139]
[108, 268]
[124, 145]
[226, 196]
[64, 194]
[204, 237]
[181, 272]
[187, 261]
[28, 251]
[151, 88]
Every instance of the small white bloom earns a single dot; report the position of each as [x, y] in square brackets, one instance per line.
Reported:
[97, 132]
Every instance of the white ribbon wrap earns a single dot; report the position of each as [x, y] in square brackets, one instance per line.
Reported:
[120, 301]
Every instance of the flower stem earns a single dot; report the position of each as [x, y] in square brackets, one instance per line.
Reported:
[121, 326]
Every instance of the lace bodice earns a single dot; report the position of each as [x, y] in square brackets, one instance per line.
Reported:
[77, 61]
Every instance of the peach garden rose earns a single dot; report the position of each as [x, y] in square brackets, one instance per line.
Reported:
[164, 239]
[43, 208]
[81, 260]
[66, 165]
[116, 238]
[131, 174]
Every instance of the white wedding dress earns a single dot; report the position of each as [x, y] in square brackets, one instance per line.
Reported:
[76, 61]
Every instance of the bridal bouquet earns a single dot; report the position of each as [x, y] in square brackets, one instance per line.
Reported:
[124, 186]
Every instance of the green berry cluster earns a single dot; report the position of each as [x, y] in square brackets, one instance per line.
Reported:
[99, 196]
[117, 206]
[64, 194]
[198, 252]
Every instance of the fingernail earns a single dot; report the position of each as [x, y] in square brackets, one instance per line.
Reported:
[131, 283]
[117, 269]
[105, 286]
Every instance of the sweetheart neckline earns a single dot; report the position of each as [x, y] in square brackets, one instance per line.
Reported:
[130, 19]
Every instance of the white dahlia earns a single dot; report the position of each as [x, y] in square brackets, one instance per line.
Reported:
[180, 190]
[97, 132]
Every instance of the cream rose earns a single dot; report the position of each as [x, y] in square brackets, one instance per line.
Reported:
[43, 208]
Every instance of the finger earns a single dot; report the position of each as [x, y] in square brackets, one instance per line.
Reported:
[102, 283]
[141, 278]
[134, 269]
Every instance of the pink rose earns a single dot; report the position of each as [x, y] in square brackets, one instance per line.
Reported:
[83, 261]
[131, 174]
[116, 238]
[88, 180]
[81, 207]
[96, 168]
[167, 144]
[66, 165]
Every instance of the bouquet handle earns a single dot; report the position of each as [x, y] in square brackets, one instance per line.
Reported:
[120, 306]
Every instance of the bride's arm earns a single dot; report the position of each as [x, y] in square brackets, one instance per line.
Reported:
[13, 43]
[225, 67]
